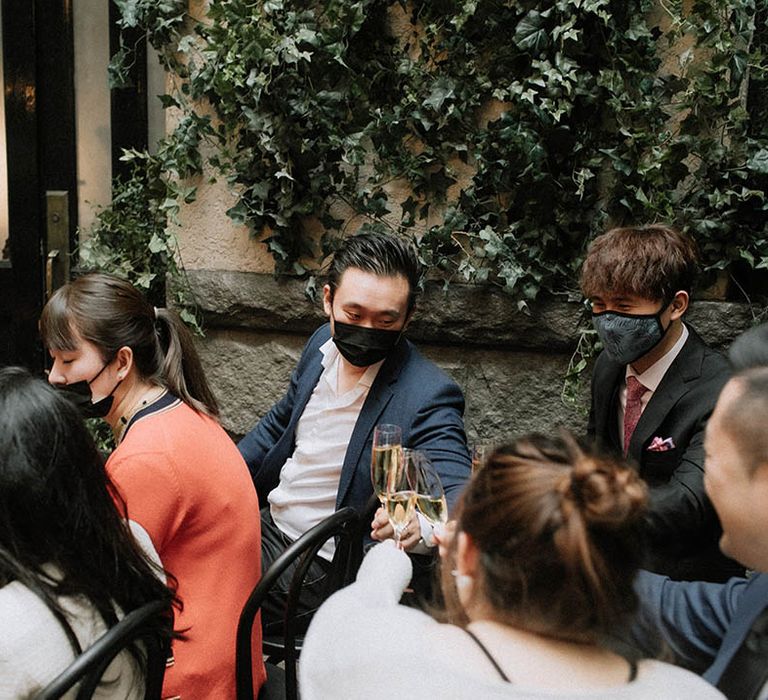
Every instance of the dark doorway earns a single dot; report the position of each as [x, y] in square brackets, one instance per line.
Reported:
[38, 74]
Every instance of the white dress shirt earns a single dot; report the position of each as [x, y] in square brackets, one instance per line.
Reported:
[650, 379]
[309, 480]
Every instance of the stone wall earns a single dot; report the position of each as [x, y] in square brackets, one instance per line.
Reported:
[510, 365]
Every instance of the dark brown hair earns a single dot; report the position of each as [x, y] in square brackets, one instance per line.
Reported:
[652, 262]
[57, 508]
[750, 349]
[744, 417]
[110, 313]
[381, 254]
[558, 531]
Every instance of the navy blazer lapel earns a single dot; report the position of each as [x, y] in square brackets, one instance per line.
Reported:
[306, 386]
[752, 602]
[685, 368]
[378, 397]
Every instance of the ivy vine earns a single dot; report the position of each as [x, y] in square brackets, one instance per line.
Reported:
[517, 129]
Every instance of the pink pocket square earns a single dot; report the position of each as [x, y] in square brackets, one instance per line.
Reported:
[659, 445]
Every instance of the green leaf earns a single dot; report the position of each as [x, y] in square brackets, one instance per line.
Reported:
[530, 34]
[157, 244]
[758, 162]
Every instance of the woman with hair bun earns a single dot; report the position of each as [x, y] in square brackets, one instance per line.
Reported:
[537, 581]
[181, 477]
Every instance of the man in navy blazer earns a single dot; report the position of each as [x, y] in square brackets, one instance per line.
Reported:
[409, 391]
[311, 453]
[721, 629]
[638, 281]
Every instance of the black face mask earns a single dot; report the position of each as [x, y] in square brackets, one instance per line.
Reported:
[361, 346]
[80, 395]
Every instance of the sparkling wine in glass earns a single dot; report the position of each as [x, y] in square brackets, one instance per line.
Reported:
[386, 457]
[430, 496]
[399, 496]
[399, 506]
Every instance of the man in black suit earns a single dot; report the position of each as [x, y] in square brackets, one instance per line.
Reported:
[653, 388]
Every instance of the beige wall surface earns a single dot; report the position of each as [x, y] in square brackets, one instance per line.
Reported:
[92, 109]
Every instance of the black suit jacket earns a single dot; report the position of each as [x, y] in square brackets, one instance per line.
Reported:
[682, 527]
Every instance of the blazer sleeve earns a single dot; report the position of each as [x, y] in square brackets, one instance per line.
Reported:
[438, 430]
[689, 617]
[681, 507]
[257, 444]
[265, 435]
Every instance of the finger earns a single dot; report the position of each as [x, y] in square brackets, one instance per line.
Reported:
[379, 519]
[382, 532]
[411, 534]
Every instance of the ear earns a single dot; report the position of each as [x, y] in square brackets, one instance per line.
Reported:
[124, 359]
[327, 299]
[679, 305]
[467, 555]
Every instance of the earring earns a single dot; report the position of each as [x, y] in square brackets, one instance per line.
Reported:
[463, 581]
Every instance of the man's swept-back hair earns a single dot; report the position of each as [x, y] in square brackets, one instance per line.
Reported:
[744, 417]
[381, 254]
[653, 262]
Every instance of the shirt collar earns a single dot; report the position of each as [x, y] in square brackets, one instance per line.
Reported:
[330, 361]
[652, 377]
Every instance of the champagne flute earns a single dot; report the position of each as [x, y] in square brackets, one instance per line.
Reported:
[399, 496]
[430, 496]
[386, 456]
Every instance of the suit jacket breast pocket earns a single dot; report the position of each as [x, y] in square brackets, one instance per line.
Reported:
[658, 467]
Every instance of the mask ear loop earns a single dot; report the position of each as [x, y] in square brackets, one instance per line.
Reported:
[665, 304]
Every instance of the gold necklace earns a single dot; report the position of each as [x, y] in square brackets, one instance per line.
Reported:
[143, 401]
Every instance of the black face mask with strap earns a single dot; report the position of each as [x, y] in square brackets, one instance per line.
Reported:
[80, 395]
[362, 346]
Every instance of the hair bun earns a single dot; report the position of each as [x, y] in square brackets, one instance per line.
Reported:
[606, 493]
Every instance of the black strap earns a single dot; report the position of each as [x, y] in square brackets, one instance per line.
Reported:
[488, 654]
[632, 663]
[747, 672]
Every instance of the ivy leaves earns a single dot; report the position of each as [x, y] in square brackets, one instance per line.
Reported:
[502, 136]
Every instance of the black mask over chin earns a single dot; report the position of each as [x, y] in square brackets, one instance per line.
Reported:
[80, 395]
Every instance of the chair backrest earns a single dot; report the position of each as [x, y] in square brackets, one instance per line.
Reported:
[344, 525]
[91, 664]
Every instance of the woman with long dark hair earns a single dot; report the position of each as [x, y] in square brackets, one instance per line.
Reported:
[181, 476]
[537, 580]
[69, 567]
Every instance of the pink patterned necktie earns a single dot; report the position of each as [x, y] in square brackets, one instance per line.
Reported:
[633, 408]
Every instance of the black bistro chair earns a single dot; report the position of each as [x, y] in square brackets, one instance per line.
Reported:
[91, 664]
[346, 526]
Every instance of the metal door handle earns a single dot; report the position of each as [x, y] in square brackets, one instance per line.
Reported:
[57, 240]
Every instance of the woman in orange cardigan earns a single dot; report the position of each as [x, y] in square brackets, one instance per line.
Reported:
[182, 478]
